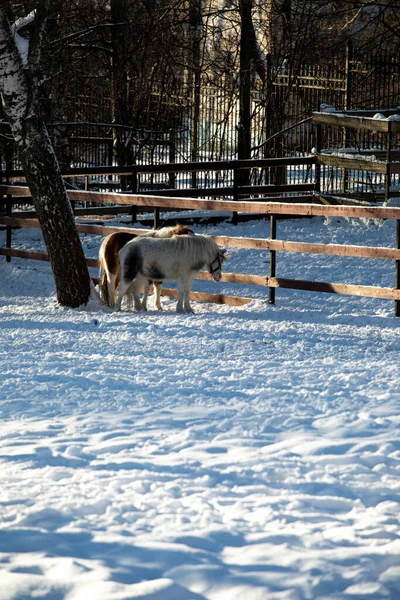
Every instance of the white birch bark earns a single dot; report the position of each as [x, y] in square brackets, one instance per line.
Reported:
[21, 95]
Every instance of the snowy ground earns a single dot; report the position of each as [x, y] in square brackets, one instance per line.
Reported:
[245, 453]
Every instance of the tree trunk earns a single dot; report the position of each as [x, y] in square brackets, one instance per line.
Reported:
[119, 79]
[244, 128]
[195, 32]
[56, 217]
[20, 89]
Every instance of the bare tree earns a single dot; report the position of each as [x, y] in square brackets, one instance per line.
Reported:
[21, 88]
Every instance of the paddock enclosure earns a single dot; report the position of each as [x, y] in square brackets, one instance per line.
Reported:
[271, 208]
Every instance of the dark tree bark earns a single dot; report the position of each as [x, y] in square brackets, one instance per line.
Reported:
[194, 64]
[119, 33]
[20, 88]
[244, 130]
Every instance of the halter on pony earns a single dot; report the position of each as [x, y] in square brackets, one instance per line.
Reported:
[217, 260]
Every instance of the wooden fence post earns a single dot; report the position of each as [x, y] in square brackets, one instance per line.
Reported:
[318, 144]
[347, 103]
[235, 193]
[9, 228]
[156, 223]
[3, 203]
[388, 161]
[172, 157]
[272, 258]
[134, 190]
[397, 277]
[387, 196]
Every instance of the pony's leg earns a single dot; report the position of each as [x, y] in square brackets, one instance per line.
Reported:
[111, 278]
[146, 291]
[107, 286]
[137, 284]
[129, 297]
[186, 295]
[157, 289]
[184, 287]
[181, 291]
[122, 290]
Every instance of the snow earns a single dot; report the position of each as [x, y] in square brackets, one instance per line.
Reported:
[21, 42]
[393, 202]
[23, 22]
[239, 453]
[381, 117]
[351, 155]
[327, 108]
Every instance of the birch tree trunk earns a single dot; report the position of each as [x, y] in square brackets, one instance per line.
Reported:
[20, 88]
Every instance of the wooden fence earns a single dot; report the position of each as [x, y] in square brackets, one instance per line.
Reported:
[235, 179]
[273, 245]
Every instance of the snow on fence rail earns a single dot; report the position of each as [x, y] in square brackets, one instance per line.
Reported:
[271, 244]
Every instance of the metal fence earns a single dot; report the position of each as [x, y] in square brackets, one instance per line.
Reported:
[202, 124]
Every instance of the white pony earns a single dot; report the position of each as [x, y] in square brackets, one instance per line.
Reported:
[109, 261]
[178, 258]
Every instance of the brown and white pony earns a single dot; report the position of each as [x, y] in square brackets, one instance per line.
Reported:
[109, 262]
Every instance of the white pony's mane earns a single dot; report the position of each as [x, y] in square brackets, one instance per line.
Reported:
[197, 246]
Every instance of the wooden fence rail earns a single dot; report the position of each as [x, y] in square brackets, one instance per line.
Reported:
[253, 207]
[272, 244]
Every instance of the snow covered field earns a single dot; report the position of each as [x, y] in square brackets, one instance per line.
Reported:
[247, 453]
